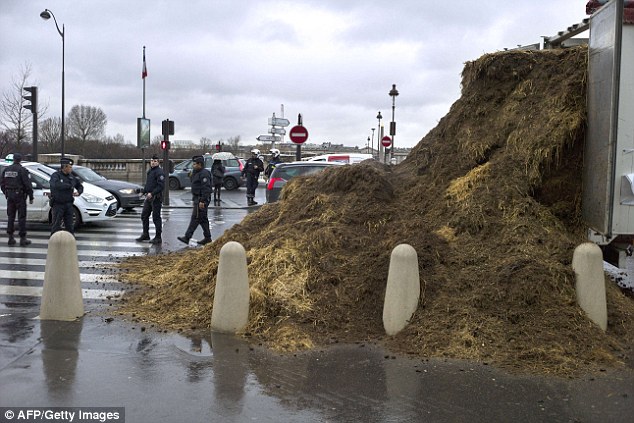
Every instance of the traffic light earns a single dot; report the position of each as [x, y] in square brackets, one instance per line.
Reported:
[32, 98]
[165, 145]
[167, 127]
[218, 147]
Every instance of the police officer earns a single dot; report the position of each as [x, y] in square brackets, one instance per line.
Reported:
[274, 161]
[153, 190]
[201, 196]
[251, 170]
[64, 188]
[16, 186]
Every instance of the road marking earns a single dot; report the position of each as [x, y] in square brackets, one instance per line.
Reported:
[80, 253]
[39, 276]
[36, 291]
[27, 261]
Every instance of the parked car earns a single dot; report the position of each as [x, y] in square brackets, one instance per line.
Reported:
[127, 194]
[179, 179]
[284, 172]
[94, 204]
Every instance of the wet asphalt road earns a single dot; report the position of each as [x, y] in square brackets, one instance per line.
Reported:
[163, 377]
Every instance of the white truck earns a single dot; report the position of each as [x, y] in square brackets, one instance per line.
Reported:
[608, 169]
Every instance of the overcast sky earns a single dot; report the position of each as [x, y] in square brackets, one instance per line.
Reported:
[220, 69]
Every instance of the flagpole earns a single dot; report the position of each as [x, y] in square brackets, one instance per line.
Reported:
[144, 72]
[143, 75]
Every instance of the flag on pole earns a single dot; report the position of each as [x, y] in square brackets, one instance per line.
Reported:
[144, 71]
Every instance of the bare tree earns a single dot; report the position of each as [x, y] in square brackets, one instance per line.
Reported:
[49, 134]
[4, 143]
[15, 120]
[205, 143]
[233, 142]
[86, 123]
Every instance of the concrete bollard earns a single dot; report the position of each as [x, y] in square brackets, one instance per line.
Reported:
[403, 289]
[230, 311]
[61, 297]
[587, 262]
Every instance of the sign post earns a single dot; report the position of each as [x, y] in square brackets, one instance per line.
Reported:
[274, 122]
[298, 135]
[167, 128]
[268, 138]
[386, 142]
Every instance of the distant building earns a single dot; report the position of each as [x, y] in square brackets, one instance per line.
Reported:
[183, 144]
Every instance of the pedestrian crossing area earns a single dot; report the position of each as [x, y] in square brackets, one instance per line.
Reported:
[99, 247]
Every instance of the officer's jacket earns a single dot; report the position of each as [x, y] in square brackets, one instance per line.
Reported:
[272, 163]
[250, 167]
[63, 186]
[15, 178]
[155, 181]
[201, 185]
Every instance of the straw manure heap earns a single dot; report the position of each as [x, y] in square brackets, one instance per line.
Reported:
[490, 200]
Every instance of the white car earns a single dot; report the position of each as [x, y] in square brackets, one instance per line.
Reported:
[94, 204]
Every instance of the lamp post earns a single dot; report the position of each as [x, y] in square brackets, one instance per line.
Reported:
[393, 93]
[372, 143]
[367, 146]
[46, 15]
[378, 137]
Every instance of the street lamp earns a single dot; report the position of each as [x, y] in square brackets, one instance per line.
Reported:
[372, 143]
[46, 15]
[367, 146]
[393, 93]
[378, 137]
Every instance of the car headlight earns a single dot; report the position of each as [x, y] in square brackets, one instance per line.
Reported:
[128, 191]
[91, 198]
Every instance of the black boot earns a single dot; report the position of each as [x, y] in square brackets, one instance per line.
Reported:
[183, 239]
[144, 237]
[24, 242]
[156, 240]
[204, 241]
[11, 240]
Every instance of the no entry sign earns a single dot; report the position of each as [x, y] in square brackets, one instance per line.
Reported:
[386, 141]
[298, 134]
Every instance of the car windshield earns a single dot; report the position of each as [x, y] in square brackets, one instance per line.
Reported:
[43, 168]
[88, 174]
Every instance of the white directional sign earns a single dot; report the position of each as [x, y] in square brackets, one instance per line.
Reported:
[278, 131]
[279, 122]
[268, 138]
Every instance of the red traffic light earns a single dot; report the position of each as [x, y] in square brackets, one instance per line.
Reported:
[165, 145]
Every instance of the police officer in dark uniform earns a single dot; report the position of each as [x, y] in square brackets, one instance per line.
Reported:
[64, 188]
[274, 161]
[201, 196]
[153, 190]
[16, 186]
[251, 170]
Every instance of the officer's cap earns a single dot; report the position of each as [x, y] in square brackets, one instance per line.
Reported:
[198, 159]
[17, 158]
[155, 157]
[66, 161]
